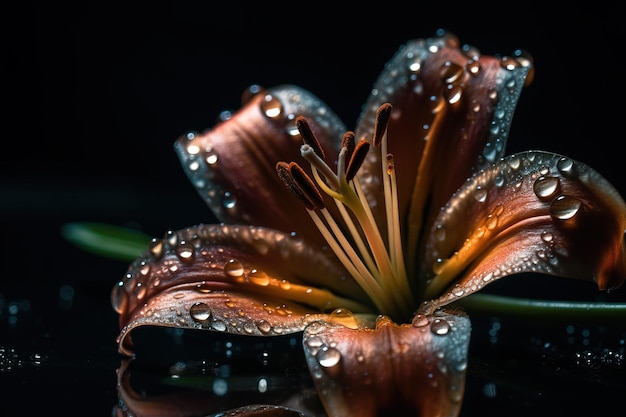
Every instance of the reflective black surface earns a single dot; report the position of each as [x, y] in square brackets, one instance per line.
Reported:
[95, 95]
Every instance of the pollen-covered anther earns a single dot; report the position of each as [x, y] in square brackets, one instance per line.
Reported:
[308, 137]
[357, 158]
[300, 185]
[380, 126]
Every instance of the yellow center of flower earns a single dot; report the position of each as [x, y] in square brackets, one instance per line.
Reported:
[376, 264]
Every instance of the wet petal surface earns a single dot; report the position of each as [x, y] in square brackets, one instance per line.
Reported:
[410, 369]
[530, 212]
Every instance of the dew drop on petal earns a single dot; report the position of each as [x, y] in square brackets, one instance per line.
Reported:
[156, 248]
[234, 268]
[440, 327]
[271, 107]
[263, 326]
[200, 312]
[314, 341]
[420, 320]
[565, 165]
[119, 298]
[565, 207]
[218, 325]
[328, 357]
[480, 194]
[545, 187]
[343, 317]
[259, 278]
[185, 252]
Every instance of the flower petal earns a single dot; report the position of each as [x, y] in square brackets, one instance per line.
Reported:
[452, 109]
[531, 212]
[239, 279]
[232, 165]
[416, 369]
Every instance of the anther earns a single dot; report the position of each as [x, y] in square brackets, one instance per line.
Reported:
[380, 126]
[300, 185]
[357, 158]
[308, 136]
[347, 141]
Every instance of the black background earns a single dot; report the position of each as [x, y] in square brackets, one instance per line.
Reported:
[95, 93]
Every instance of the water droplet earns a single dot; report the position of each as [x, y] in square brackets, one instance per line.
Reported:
[156, 248]
[440, 327]
[565, 165]
[263, 326]
[473, 66]
[262, 385]
[211, 158]
[314, 341]
[453, 93]
[515, 162]
[545, 187]
[546, 236]
[565, 207]
[200, 312]
[480, 194]
[234, 268]
[271, 107]
[203, 288]
[185, 252]
[218, 325]
[343, 317]
[491, 222]
[285, 285]
[259, 278]
[119, 298]
[328, 357]
[420, 320]
[450, 72]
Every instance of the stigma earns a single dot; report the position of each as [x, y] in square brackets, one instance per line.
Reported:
[374, 259]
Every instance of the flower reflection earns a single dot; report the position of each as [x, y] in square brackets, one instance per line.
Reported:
[414, 210]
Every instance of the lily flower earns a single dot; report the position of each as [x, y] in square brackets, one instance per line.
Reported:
[363, 240]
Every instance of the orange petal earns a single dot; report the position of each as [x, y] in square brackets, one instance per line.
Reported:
[452, 109]
[531, 212]
[392, 370]
[232, 165]
[239, 279]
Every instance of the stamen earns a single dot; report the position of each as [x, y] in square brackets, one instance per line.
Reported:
[308, 136]
[376, 264]
[347, 141]
[357, 158]
[300, 185]
[380, 126]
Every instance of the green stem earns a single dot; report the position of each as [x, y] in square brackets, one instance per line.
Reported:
[498, 305]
